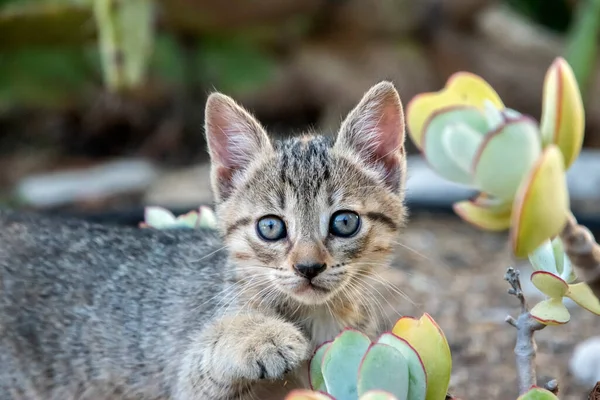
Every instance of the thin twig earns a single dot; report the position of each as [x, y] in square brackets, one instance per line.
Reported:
[526, 325]
[583, 251]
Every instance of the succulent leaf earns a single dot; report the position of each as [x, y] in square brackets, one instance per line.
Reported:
[549, 284]
[551, 312]
[462, 88]
[581, 294]
[461, 143]
[563, 116]
[417, 376]
[486, 218]
[505, 157]
[537, 393]
[316, 380]
[207, 218]
[158, 217]
[384, 368]
[341, 362]
[542, 193]
[429, 341]
[543, 258]
[443, 123]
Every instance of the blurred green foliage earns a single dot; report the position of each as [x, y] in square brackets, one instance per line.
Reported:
[55, 52]
[582, 44]
[45, 77]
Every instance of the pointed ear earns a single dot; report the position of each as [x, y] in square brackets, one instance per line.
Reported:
[234, 140]
[374, 132]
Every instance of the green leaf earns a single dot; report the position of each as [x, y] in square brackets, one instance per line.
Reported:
[316, 380]
[341, 362]
[506, 156]
[384, 368]
[434, 147]
[417, 377]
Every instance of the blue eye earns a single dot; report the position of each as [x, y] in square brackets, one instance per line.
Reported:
[344, 224]
[271, 228]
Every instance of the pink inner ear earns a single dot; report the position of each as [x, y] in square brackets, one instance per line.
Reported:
[374, 130]
[389, 131]
[234, 138]
[390, 148]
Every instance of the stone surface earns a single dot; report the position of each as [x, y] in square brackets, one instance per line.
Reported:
[119, 177]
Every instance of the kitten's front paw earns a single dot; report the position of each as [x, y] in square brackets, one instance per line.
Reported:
[272, 350]
[260, 348]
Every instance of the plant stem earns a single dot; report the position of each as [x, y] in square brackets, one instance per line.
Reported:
[525, 347]
[583, 251]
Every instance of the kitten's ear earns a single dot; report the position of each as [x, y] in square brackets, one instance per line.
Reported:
[374, 131]
[235, 138]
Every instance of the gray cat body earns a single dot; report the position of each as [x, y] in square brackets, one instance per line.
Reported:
[304, 228]
[100, 309]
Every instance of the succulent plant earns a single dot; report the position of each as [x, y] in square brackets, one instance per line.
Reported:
[161, 218]
[554, 277]
[468, 136]
[412, 362]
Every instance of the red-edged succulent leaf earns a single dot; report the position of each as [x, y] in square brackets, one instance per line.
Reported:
[485, 218]
[315, 376]
[461, 89]
[551, 312]
[417, 376]
[435, 149]
[341, 362]
[541, 205]
[505, 157]
[563, 115]
[550, 284]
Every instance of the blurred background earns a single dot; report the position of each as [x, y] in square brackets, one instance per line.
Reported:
[102, 103]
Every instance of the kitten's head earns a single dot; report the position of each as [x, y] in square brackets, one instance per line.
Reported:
[310, 214]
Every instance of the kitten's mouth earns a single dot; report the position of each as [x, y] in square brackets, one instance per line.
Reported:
[307, 286]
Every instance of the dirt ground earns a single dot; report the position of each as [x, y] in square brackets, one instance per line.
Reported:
[455, 273]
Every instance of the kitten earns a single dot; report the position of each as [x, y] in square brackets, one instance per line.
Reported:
[306, 224]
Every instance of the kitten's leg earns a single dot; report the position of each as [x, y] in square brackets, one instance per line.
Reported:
[233, 353]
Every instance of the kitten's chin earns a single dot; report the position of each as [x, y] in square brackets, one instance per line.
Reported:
[310, 293]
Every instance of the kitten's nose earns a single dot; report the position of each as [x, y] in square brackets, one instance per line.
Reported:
[309, 271]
